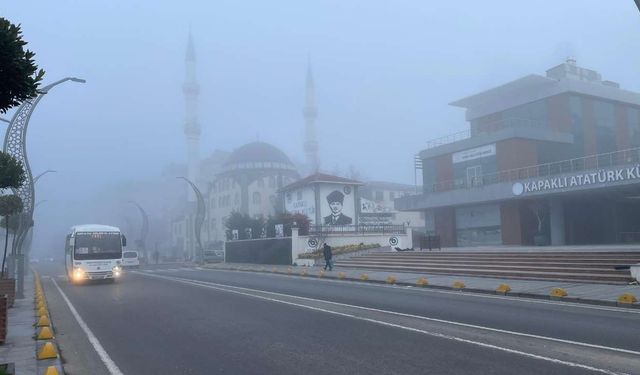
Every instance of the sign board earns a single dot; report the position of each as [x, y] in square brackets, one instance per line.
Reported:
[375, 218]
[474, 153]
[578, 180]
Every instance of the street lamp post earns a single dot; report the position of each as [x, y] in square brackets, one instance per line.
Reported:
[199, 220]
[15, 144]
[144, 231]
[36, 178]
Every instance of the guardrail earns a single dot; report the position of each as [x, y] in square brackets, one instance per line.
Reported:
[487, 128]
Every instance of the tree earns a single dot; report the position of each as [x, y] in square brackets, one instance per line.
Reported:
[240, 222]
[12, 175]
[19, 75]
[9, 205]
[287, 220]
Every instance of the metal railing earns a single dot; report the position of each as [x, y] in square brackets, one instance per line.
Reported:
[450, 138]
[487, 128]
[358, 229]
[591, 162]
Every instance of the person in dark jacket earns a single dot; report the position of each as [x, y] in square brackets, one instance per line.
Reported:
[326, 251]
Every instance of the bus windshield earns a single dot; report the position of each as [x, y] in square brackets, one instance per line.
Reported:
[97, 245]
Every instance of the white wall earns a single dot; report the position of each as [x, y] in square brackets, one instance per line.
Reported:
[300, 244]
[306, 205]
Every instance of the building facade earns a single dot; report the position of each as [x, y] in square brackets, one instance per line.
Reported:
[377, 204]
[546, 160]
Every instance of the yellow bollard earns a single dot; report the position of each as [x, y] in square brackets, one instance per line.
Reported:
[503, 288]
[391, 279]
[303, 273]
[627, 298]
[44, 334]
[41, 312]
[289, 270]
[341, 275]
[321, 273]
[43, 321]
[47, 351]
[458, 285]
[422, 281]
[364, 277]
[51, 370]
[558, 292]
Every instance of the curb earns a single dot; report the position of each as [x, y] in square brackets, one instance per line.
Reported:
[547, 297]
[46, 349]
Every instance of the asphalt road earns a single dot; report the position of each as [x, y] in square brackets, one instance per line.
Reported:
[174, 320]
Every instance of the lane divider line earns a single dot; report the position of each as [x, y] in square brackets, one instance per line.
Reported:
[102, 353]
[571, 304]
[394, 325]
[406, 315]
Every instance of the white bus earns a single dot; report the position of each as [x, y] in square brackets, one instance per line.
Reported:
[94, 252]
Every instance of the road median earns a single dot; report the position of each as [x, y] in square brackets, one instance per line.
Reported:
[578, 292]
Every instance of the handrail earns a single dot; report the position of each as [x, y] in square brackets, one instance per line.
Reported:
[486, 128]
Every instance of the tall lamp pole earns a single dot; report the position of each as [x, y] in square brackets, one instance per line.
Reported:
[144, 231]
[199, 220]
[15, 144]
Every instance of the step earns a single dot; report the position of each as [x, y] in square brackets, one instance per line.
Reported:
[532, 275]
[607, 263]
[485, 266]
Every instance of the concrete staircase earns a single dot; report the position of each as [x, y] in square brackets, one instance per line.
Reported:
[592, 267]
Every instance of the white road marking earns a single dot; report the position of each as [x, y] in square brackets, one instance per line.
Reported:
[468, 294]
[104, 356]
[411, 316]
[224, 288]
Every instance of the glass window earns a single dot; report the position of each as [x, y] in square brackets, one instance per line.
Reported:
[478, 225]
[633, 124]
[272, 182]
[299, 195]
[392, 195]
[260, 182]
[97, 245]
[379, 196]
[577, 125]
[603, 113]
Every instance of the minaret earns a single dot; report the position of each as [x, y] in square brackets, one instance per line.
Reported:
[310, 113]
[191, 89]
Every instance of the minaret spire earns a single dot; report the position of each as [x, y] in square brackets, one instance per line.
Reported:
[310, 113]
[191, 89]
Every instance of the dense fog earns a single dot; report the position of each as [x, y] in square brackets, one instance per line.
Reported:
[384, 73]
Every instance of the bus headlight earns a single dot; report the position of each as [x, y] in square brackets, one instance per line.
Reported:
[117, 271]
[78, 274]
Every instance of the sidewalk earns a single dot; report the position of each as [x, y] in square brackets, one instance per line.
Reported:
[20, 347]
[600, 294]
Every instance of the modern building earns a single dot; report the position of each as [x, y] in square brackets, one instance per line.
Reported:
[546, 160]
